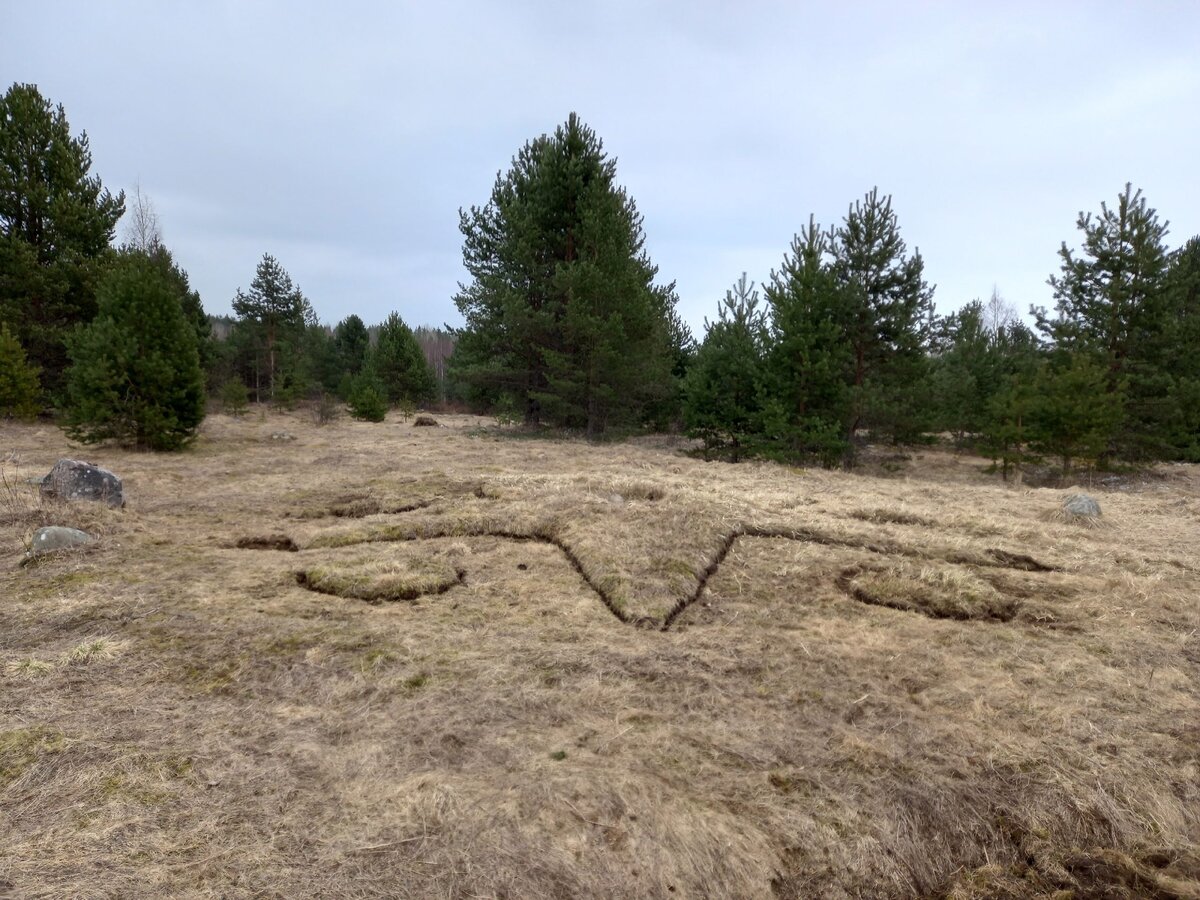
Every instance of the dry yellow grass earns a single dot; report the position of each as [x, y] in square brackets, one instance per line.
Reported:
[590, 671]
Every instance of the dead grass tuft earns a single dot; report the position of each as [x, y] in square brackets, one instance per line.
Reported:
[93, 649]
[940, 593]
[1162, 874]
[641, 490]
[1066, 517]
[28, 668]
[383, 581]
[267, 542]
[894, 516]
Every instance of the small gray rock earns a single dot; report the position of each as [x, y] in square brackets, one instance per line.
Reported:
[74, 480]
[282, 436]
[1081, 506]
[56, 537]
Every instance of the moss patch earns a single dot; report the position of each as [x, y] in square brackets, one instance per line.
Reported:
[22, 747]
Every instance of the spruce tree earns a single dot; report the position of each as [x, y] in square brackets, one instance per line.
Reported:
[56, 225]
[193, 308]
[367, 399]
[135, 375]
[562, 313]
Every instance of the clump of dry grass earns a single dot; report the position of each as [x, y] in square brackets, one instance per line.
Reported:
[93, 649]
[640, 490]
[941, 593]
[267, 542]
[28, 668]
[1060, 515]
[382, 581]
[894, 516]
[21, 504]
[1166, 874]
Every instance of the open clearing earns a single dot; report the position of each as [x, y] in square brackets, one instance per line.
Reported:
[386, 661]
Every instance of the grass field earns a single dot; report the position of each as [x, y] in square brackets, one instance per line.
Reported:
[387, 661]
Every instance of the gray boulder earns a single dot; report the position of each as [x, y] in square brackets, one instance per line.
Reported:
[73, 480]
[56, 537]
[1081, 506]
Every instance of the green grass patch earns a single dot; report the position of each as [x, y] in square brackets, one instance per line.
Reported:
[22, 747]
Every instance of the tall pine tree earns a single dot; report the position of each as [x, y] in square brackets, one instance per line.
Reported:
[1180, 430]
[56, 224]
[886, 312]
[273, 316]
[562, 313]
[809, 355]
[1111, 305]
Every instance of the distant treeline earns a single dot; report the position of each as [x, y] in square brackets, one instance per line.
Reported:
[566, 325]
[333, 356]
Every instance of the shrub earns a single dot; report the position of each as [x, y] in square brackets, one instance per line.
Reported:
[19, 387]
[235, 398]
[327, 409]
[367, 402]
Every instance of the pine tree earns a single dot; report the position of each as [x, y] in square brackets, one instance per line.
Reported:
[1110, 303]
[724, 391]
[886, 313]
[398, 365]
[808, 356]
[367, 399]
[964, 372]
[1072, 415]
[193, 308]
[1006, 426]
[19, 386]
[56, 224]
[135, 375]
[143, 232]
[1180, 339]
[562, 313]
[273, 315]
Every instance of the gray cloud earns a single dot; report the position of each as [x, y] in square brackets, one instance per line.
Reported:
[344, 139]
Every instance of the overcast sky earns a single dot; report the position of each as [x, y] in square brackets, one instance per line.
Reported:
[343, 138]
